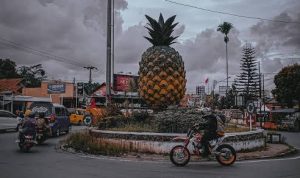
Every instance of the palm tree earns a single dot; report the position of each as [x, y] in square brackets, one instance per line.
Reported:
[224, 28]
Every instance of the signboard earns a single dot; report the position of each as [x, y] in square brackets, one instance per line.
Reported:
[126, 83]
[56, 88]
[80, 88]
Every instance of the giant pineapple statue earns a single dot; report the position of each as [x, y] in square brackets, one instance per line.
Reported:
[161, 73]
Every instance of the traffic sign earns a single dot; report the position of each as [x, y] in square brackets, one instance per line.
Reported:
[250, 107]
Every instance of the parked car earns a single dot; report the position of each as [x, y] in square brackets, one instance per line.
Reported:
[77, 116]
[8, 120]
[57, 115]
[291, 122]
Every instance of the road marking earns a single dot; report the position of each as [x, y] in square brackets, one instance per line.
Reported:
[168, 162]
[269, 160]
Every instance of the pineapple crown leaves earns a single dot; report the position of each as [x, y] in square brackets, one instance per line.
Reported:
[161, 31]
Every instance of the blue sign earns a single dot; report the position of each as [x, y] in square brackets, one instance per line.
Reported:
[56, 88]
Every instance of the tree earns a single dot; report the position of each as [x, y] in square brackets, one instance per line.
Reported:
[32, 75]
[247, 83]
[8, 69]
[89, 87]
[228, 101]
[225, 28]
[287, 83]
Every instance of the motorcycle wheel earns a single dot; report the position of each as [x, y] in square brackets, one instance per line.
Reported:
[226, 155]
[40, 141]
[24, 147]
[180, 155]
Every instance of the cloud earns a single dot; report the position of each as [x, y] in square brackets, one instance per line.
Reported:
[271, 36]
[205, 56]
[73, 29]
[76, 31]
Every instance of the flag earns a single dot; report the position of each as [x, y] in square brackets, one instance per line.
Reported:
[93, 103]
[206, 80]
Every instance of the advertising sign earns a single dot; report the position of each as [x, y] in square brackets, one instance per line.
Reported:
[126, 83]
[56, 88]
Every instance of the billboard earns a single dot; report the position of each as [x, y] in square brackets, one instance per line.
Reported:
[125, 83]
[56, 88]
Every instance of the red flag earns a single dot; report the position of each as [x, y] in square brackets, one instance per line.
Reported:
[206, 81]
[93, 103]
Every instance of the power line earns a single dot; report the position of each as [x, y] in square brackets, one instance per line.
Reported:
[231, 14]
[39, 52]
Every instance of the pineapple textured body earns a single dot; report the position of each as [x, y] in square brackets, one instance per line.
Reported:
[161, 76]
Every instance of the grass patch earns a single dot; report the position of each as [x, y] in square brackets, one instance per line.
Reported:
[84, 142]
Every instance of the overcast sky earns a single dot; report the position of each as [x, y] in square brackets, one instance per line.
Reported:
[66, 35]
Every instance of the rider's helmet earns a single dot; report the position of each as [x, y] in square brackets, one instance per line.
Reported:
[27, 113]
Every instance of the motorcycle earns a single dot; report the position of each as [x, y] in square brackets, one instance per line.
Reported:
[25, 141]
[180, 154]
[41, 135]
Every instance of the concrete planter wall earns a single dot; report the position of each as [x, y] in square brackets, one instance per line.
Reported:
[161, 143]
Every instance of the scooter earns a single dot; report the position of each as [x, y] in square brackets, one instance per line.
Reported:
[180, 154]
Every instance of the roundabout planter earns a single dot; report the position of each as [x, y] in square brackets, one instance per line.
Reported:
[161, 143]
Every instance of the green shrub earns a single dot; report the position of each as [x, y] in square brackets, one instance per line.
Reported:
[139, 116]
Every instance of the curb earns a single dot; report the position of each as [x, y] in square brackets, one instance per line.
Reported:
[289, 152]
[162, 158]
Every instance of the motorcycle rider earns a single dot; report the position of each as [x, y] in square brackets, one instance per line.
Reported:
[28, 124]
[213, 128]
[42, 122]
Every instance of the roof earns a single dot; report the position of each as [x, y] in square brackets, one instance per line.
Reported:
[13, 85]
[58, 105]
[28, 98]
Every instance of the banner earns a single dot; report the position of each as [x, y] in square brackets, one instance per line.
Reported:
[56, 88]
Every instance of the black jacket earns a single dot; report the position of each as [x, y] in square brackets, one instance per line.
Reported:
[211, 124]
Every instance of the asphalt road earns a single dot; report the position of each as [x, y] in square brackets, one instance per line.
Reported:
[45, 161]
[7, 123]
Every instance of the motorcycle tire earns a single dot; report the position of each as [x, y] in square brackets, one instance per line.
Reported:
[223, 160]
[40, 141]
[24, 147]
[183, 159]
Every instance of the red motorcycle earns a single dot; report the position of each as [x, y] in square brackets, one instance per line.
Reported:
[180, 154]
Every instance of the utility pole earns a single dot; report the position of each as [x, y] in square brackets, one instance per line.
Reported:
[90, 68]
[263, 94]
[259, 74]
[113, 43]
[108, 53]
